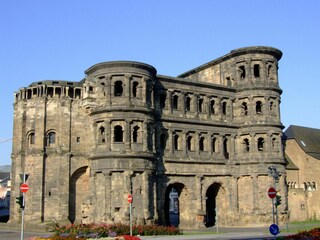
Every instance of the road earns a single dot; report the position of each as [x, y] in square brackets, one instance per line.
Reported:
[240, 233]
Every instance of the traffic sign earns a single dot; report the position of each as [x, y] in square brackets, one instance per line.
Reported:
[272, 192]
[130, 198]
[274, 229]
[24, 187]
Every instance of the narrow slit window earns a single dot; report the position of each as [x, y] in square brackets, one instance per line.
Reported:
[118, 134]
[256, 70]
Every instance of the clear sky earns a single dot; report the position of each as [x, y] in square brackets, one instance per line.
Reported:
[60, 39]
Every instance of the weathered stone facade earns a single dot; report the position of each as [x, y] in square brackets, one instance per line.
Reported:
[210, 134]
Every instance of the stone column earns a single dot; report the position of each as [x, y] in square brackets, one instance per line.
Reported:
[108, 135]
[146, 195]
[145, 136]
[255, 192]
[108, 90]
[235, 194]
[127, 92]
[127, 142]
[108, 192]
[169, 101]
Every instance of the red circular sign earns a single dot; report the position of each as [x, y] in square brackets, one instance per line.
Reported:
[130, 198]
[24, 187]
[272, 192]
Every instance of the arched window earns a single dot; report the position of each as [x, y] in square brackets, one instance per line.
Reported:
[200, 104]
[31, 138]
[225, 149]
[118, 88]
[256, 70]
[118, 134]
[176, 142]
[135, 89]
[188, 104]
[224, 108]
[242, 72]
[202, 144]
[244, 107]
[175, 102]
[213, 144]
[260, 144]
[212, 104]
[190, 143]
[135, 134]
[51, 139]
[246, 145]
[258, 107]
[102, 138]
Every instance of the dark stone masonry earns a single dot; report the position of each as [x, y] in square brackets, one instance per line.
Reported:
[190, 149]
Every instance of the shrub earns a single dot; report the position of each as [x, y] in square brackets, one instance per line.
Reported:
[312, 234]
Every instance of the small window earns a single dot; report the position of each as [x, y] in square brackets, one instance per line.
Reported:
[202, 144]
[212, 105]
[118, 89]
[175, 102]
[242, 72]
[176, 142]
[213, 144]
[102, 138]
[200, 105]
[163, 140]
[188, 104]
[256, 70]
[51, 138]
[90, 89]
[78, 139]
[135, 89]
[244, 107]
[118, 134]
[224, 108]
[225, 149]
[31, 138]
[246, 145]
[135, 134]
[259, 107]
[190, 143]
[260, 144]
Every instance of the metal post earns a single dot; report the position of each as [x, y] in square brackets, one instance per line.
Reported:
[22, 209]
[130, 219]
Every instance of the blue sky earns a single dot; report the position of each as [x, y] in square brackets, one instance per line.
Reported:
[59, 40]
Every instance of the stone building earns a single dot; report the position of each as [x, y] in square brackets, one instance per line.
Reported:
[302, 150]
[208, 135]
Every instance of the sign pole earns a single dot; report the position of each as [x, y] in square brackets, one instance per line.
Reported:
[22, 209]
[131, 219]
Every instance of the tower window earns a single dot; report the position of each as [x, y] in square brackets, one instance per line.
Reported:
[118, 88]
[256, 70]
[102, 135]
[242, 71]
[244, 107]
[202, 144]
[162, 100]
[135, 89]
[51, 138]
[190, 143]
[188, 104]
[212, 104]
[258, 107]
[200, 104]
[225, 149]
[176, 142]
[224, 108]
[260, 144]
[135, 134]
[31, 138]
[213, 144]
[246, 145]
[175, 102]
[118, 134]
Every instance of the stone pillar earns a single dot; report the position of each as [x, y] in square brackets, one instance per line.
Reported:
[144, 90]
[146, 195]
[145, 136]
[169, 100]
[127, 92]
[235, 194]
[108, 90]
[108, 188]
[127, 141]
[196, 136]
[108, 135]
[255, 190]
[198, 198]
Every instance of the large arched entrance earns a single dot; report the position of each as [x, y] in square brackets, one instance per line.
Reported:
[79, 185]
[174, 203]
[211, 204]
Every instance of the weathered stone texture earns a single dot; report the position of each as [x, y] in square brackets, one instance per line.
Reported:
[207, 135]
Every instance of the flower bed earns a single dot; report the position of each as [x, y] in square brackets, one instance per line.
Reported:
[312, 234]
[108, 232]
